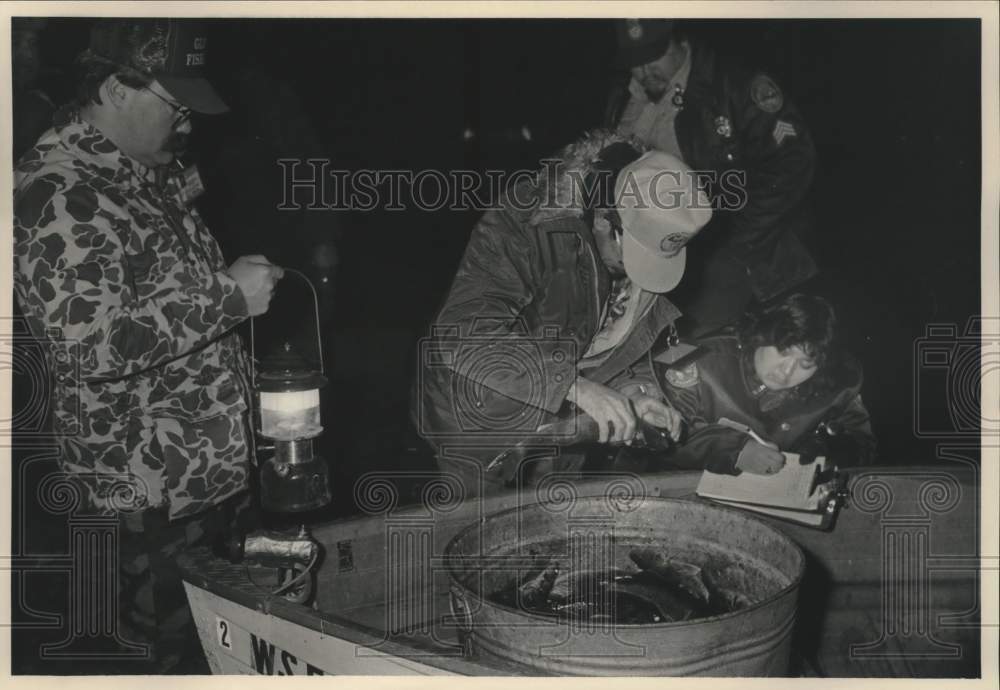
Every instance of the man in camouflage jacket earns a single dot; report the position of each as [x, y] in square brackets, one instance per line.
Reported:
[118, 274]
[133, 295]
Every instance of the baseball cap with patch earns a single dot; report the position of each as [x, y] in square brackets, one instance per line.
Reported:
[642, 40]
[173, 51]
[661, 208]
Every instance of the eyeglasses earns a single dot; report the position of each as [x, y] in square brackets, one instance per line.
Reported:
[181, 112]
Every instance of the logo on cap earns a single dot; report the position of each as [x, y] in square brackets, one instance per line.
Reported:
[674, 242]
[197, 58]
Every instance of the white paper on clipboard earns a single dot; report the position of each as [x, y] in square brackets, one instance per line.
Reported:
[792, 487]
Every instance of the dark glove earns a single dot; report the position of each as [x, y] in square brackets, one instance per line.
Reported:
[830, 441]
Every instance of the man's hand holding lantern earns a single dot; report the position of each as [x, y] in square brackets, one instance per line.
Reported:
[256, 277]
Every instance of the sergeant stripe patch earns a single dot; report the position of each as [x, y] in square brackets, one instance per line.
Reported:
[782, 130]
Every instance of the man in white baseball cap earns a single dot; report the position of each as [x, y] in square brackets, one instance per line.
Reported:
[660, 207]
[553, 311]
[641, 230]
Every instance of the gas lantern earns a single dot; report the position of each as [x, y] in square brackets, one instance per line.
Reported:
[292, 479]
[286, 390]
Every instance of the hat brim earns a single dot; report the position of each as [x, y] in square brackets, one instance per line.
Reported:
[650, 272]
[195, 93]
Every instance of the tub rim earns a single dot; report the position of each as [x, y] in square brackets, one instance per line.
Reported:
[451, 560]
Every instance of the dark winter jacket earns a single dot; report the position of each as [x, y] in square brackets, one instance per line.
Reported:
[735, 120]
[523, 308]
[823, 416]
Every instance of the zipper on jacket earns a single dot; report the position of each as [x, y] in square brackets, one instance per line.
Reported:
[597, 289]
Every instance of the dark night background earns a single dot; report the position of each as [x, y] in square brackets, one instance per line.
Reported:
[894, 107]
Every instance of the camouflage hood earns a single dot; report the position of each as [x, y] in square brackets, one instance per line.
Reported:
[559, 182]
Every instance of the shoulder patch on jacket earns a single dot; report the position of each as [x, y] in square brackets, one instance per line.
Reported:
[765, 94]
[686, 377]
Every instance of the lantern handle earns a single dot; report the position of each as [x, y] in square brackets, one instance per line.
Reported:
[319, 340]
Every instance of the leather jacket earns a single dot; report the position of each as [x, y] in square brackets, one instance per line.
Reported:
[524, 306]
[823, 416]
[735, 121]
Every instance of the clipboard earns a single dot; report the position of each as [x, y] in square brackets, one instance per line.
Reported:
[810, 494]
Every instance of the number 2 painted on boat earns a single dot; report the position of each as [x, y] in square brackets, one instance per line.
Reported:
[222, 628]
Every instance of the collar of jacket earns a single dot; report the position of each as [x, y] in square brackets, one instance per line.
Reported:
[714, 79]
[91, 146]
[704, 80]
[559, 195]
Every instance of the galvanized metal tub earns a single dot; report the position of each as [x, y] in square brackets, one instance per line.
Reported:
[754, 641]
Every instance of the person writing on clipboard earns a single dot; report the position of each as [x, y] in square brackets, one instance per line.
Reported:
[778, 383]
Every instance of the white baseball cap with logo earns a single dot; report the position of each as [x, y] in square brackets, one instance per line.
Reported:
[661, 207]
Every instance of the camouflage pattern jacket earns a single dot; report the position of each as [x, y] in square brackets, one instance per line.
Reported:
[129, 292]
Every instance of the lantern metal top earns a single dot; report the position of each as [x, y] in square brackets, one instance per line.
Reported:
[287, 372]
